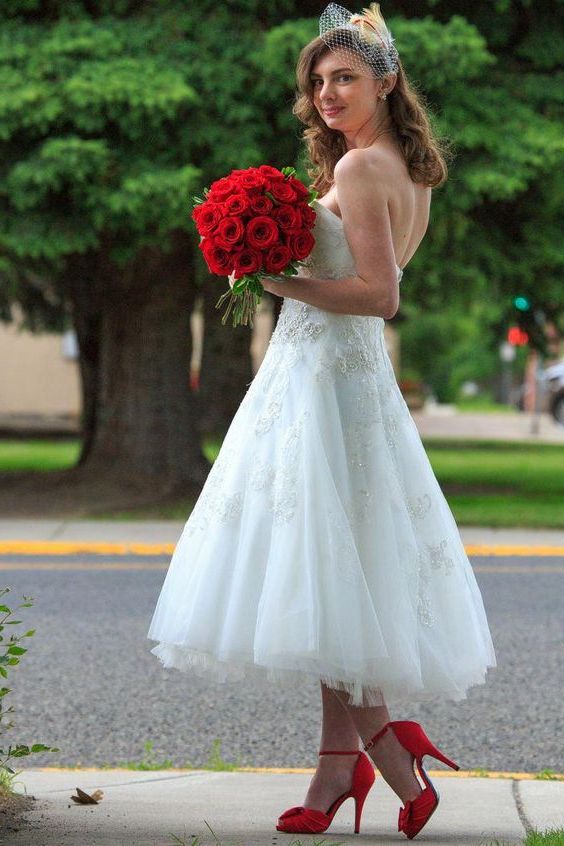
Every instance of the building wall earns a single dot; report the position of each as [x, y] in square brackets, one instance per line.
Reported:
[38, 373]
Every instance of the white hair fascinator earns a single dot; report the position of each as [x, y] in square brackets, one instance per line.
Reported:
[366, 38]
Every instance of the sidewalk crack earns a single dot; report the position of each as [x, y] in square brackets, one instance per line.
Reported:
[525, 821]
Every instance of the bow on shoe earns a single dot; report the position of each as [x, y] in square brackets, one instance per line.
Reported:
[416, 812]
[405, 818]
[303, 820]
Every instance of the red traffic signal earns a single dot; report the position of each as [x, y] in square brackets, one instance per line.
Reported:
[517, 336]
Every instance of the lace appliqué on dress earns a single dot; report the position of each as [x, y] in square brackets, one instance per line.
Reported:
[280, 480]
[214, 502]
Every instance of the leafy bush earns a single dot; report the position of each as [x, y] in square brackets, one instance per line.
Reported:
[10, 654]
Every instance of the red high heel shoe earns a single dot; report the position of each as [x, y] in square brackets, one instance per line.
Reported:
[416, 812]
[300, 820]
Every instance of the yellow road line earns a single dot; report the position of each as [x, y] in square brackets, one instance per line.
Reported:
[82, 565]
[308, 771]
[158, 565]
[44, 548]
[513, 549]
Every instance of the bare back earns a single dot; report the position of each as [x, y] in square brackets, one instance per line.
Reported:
[409, 202]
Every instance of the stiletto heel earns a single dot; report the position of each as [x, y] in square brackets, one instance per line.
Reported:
[300, 820]
[416, 812]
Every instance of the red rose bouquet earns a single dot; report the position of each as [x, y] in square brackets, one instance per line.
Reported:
[254, 222]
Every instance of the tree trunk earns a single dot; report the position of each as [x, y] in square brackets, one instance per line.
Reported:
[146, 414]
[83, 293]
[226, 368]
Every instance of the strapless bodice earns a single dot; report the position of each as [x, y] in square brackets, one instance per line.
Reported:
[349, 343]
[331, 255]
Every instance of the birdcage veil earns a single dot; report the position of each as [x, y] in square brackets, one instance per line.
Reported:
[365, 37]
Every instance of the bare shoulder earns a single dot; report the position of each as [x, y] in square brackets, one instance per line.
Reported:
[363, 163]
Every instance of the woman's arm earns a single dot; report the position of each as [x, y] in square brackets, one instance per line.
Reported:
[366, 221]
[342, 296]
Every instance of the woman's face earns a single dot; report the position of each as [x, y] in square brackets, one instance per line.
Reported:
[345, 100]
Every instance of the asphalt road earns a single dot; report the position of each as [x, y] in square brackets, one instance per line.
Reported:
[90, 686]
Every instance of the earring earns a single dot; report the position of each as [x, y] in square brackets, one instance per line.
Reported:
[383, 96]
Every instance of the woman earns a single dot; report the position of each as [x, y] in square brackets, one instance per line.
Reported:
[321, 546]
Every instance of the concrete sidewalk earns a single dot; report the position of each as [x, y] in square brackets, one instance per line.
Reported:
[167, 532]
[147, 808]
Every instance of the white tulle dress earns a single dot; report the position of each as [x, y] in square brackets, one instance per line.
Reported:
[321, 546]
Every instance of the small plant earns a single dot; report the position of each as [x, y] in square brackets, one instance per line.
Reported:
[10, 654]
[549, 837]
[216, 762]
[547, 774]
[148, 762]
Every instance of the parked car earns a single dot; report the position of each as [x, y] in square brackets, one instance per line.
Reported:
[553, 381]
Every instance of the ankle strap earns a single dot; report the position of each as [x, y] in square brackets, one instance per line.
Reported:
[377, 736]
[339, 752]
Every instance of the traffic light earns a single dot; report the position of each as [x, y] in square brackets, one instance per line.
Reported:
[530, 319]
[516, 337]
[522, 303]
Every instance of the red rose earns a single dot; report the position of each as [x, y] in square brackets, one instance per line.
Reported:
[206, 216]
[277, 258]
[288, 217]
[301, 244]
[229, 232]
[237, 204]
[298, 187]
[251, 180]
[308, 215]
[222, 188]
[247, 260]
[271, 172]
[262, 232]
[283, 192]
[218, 259]
[260, 204]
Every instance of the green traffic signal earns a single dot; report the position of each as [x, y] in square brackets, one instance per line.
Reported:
[522, 303]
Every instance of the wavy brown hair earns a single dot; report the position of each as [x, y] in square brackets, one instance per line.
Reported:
[424, 152]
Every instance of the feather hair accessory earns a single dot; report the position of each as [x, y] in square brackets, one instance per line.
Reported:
[365, 37]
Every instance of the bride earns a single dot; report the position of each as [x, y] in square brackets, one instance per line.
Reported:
[321, 546]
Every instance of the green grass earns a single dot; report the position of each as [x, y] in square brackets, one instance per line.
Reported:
[500, 483]
[548, 837]
[484, 405]
[39, 455]
[490, 483]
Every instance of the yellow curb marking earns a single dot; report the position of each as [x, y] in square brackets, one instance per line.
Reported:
[302, 770]
[17, 547]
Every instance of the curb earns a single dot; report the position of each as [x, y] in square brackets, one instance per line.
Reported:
[306, 771]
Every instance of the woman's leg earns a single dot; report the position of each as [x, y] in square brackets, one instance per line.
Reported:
[393, 761]
[334, 772]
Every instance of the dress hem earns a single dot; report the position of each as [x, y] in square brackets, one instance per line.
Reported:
[362, 692]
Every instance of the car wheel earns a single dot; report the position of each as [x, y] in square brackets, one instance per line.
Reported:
[557, 409]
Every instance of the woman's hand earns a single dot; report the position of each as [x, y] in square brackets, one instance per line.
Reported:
[269, 283]
[266, 282]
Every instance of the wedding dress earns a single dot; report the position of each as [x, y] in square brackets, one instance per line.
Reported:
[321, 546]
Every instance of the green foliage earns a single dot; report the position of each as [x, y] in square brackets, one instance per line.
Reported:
[446, 347]
[10, 654]
[112, 114]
